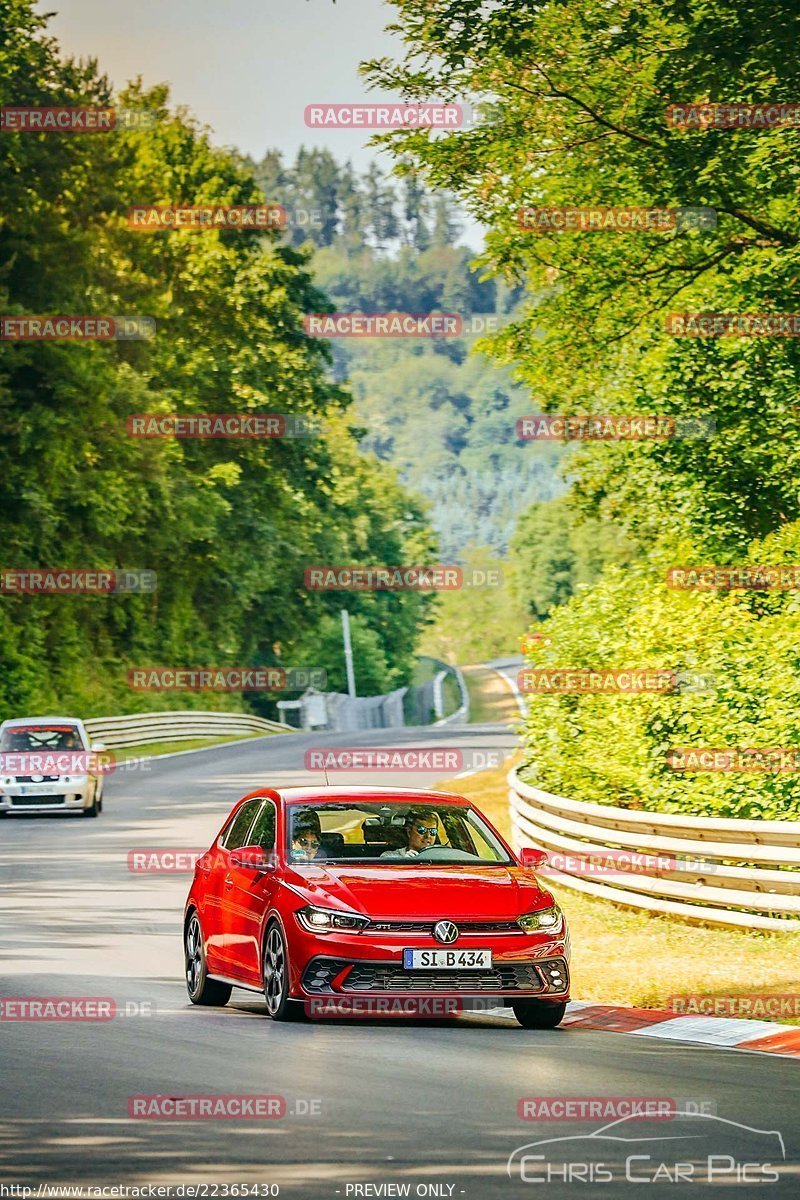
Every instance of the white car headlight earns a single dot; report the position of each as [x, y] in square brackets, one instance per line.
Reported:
[545, 920]
[326, 920]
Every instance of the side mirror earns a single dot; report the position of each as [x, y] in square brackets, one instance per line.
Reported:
[255, 858]
[98, 746]
[534, 859]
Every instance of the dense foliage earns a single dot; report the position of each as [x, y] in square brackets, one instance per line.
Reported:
[556, 551]
[228, 526]
[444, 417]
[578, 95]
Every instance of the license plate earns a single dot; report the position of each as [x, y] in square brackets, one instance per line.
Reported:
[455, 960]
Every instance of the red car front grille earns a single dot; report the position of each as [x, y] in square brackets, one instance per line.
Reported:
[465, 927]
[378, 977]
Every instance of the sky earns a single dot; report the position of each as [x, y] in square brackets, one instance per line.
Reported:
[246, 68]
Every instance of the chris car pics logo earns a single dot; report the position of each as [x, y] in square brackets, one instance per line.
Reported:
[693, 1147]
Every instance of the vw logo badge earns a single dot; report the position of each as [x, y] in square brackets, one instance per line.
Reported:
[445, 931]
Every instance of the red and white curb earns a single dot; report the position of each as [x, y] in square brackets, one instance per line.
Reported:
[735, 1033]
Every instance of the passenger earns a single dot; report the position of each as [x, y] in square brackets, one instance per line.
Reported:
[306, 837]
[421, 827]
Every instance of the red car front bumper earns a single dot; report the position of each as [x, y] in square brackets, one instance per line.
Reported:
[524, 966]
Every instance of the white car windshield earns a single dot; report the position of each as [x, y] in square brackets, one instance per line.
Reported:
[24, 738]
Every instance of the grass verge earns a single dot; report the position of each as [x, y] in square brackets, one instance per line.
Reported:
[624, 956]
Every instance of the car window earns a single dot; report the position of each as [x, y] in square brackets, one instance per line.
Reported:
[236, 833]
[382, 830]
[263, 831]
[480, 837]
[41, 737]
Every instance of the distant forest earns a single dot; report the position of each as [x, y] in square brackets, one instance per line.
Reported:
[444, 418]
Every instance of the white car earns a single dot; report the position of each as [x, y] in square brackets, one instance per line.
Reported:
[48, 764]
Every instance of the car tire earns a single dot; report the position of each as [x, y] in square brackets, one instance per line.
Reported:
[201, 989]
[539, 1014]
[94, 808]
[275, 976]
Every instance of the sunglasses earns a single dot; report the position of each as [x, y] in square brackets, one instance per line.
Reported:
[306, 841]
[423, 829]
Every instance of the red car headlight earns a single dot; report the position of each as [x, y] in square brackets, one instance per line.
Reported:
[546, 920]
[325, 920]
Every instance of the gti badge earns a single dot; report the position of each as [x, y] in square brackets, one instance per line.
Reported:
[445, 931]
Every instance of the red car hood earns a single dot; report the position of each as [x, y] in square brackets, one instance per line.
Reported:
[468, 893]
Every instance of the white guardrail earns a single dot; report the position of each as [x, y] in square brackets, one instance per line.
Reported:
[137, 729]
[720, 871]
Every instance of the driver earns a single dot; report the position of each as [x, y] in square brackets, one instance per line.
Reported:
[421, 827]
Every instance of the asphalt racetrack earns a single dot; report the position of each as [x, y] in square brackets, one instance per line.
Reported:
[373, 1107]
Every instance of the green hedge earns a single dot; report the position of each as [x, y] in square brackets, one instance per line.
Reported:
[612, 748]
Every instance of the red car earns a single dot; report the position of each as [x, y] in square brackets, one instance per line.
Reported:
[319, 896]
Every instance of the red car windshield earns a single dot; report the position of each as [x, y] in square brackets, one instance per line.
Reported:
[391, 833]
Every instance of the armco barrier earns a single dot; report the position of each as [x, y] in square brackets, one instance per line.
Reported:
[715, 873]
[137, 729]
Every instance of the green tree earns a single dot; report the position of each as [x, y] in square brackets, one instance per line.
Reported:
[227, 526]
[554, 553]
[379, 208]
[580, 95]
[477, 623]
